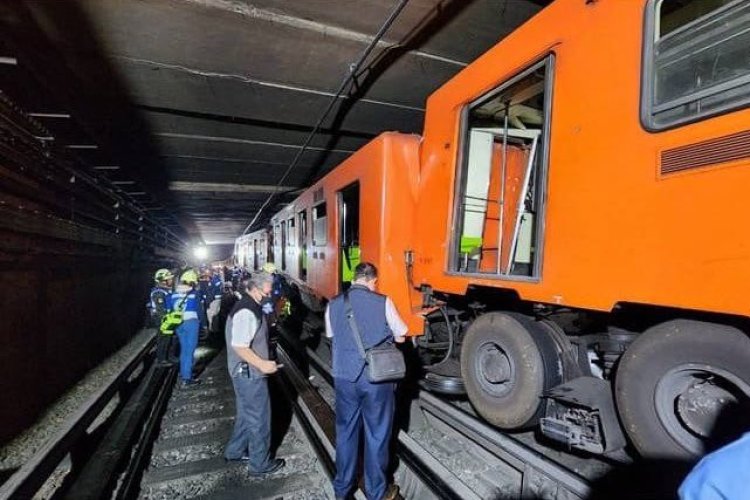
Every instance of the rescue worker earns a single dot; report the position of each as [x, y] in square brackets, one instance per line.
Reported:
[249, 365]
[159, 299]
[213, 299]
[269, 302]
[204, 278]
[228, 299]
[186, 298]
[358, 401]
[270, 307]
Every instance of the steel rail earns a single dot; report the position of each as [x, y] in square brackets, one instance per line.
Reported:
[533, 465]
[435, 478]
[130, 483]
[538, 471]
[27, 480]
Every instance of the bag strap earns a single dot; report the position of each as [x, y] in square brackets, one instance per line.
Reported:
[182, 302]
[353, 324]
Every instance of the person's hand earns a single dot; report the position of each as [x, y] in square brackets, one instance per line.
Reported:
[268, 367]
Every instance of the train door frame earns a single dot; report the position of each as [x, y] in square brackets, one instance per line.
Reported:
[282, 231]
[302, 243]
[347, 253]
[538, 170]
[255, 254]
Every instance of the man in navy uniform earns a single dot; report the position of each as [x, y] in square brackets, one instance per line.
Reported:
[249, 365]
[160, 295]
[359, 402]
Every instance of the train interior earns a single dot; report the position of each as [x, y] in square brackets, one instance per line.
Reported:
[502, 178]
[349, 223]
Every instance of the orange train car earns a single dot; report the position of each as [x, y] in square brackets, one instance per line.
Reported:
[582, 206]
[360, 211]
[573, 219]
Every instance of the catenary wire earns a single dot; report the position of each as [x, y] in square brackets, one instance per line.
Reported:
[351, 74]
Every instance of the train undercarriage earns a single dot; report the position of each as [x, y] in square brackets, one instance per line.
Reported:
[666, 384]
[672, 385]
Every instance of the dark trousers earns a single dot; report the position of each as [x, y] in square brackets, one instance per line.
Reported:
[252, 425]
[163, 346]
[362, 404]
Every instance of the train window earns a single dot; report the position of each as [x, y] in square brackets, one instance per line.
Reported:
[290, 239]
[502, 181]
[320, 225]
[697, 63]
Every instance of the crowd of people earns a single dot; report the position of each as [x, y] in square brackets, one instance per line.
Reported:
[244, 306]
[187, 305]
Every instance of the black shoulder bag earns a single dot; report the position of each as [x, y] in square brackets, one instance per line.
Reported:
[385, 363]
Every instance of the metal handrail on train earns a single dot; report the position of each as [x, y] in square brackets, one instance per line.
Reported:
[32, 475]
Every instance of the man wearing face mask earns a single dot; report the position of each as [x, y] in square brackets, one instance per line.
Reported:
[249, 365]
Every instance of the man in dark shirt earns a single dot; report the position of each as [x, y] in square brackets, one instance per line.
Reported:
[358, 401]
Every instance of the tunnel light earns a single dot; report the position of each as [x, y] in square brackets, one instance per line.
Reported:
[49, 115]
[200, 252]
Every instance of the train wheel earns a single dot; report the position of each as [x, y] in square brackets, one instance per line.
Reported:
[507, 362]
[683, 386]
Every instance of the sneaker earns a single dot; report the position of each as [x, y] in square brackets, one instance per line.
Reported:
[276, 465]
[191, 382]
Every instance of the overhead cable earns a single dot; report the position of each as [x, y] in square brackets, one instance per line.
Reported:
[351, 74]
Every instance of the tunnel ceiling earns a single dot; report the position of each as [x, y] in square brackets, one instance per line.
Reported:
[195, 108]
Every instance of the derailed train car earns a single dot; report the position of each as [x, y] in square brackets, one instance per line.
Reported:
[569, 234]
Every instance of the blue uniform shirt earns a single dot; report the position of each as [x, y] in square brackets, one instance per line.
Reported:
[214, 288]
[721, 475]
[159, 299]
[191, 305]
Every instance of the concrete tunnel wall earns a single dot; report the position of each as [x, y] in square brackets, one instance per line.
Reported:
[58, 323]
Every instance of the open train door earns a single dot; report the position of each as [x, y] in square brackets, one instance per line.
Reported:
[349, 251]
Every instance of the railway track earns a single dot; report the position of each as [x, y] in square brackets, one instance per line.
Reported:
[95, 454]
[472, 456]
[165, 443]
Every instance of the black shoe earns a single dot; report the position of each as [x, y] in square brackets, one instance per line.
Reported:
[243, 458]
[191, 382]
[276, 465]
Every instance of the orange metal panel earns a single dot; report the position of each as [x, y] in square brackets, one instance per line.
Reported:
[387, 172]
[616, 229]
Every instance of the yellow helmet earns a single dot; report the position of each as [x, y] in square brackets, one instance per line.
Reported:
[163, 275]
[269, 267]
[189, 276]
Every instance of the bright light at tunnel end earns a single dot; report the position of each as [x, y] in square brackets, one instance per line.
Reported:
[200, 252]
